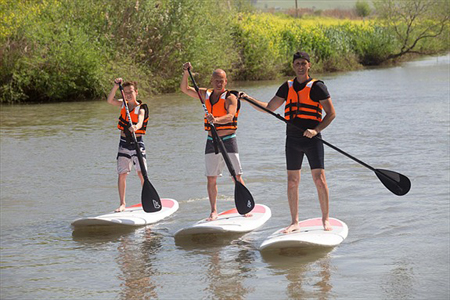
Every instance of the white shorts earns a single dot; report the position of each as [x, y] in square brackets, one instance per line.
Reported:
[127, 156]
[215, 163]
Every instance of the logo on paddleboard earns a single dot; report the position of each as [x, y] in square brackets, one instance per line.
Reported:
[156, 204]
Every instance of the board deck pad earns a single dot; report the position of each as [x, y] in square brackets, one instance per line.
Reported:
[230, 221]
[311, 234]
[131, 216]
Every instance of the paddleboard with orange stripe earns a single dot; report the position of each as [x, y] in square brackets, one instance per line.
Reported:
[131, 216]
[230, 221]
[311, 234]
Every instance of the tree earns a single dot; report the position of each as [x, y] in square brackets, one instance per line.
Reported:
[362, 8]
[414, 21]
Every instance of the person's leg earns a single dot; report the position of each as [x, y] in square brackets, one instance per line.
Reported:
[136, 163]
[212, 194]
[141, 177]
[122, 184]
[292, 193]
[323, 194]
[123, 169]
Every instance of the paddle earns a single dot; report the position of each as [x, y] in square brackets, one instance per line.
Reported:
[149, 197]
[243, 199]
[395, 182]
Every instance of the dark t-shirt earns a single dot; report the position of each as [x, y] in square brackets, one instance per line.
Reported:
[318, 92]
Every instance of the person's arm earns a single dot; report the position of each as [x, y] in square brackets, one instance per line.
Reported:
[230, 106]
[320, 92]
[140, 122]
[184, 85]
[272, 105]
[330, 114]
[111, 97]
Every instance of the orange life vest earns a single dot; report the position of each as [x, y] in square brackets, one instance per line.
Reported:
[218, 110]
[300, 105]
[134, 114]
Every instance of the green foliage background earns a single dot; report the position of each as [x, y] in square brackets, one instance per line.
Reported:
[59, 50]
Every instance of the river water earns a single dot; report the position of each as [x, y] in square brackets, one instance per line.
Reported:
[58, 164]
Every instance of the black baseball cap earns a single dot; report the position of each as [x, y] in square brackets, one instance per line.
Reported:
[301, 54]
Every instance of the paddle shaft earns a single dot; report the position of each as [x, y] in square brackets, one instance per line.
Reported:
[325, 142]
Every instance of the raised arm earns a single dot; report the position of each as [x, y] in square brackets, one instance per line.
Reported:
[184, 84]
[111, 97]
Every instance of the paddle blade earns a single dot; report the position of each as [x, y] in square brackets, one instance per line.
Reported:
[395, 182]
[243, 199]
[150, 198]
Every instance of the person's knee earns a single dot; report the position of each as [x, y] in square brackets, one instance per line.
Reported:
[319, 179]
[293, 180]
[212, 180]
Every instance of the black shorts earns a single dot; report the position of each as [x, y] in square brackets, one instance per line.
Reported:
[297, 147]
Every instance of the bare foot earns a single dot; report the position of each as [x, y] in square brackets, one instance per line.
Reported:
[213, 216]
[291, 228]
[248, 215]
[326, 225]
[121, 208]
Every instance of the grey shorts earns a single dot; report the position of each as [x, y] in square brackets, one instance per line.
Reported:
[215, 163]
[127, 156]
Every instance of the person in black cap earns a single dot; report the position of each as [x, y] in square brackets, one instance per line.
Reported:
[305, 100]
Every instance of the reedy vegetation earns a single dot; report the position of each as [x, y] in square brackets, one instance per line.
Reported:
[55, 50]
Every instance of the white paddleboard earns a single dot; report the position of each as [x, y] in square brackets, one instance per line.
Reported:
[311, 234]
[230, 221]
[131, 216]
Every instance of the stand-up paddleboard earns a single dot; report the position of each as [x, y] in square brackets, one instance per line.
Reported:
[131, 216]
[311, 234]
[229, 221]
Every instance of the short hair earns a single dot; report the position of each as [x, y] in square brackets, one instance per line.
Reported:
[130, 83]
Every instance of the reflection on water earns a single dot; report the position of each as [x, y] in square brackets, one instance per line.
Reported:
[226, 269]
[136, 260]
[205, 241]
[304, 254]
[226, 274]
[303, 268]
[137, 251]
[100, 234]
